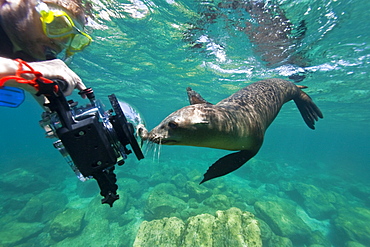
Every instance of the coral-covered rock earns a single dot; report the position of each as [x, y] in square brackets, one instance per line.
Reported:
[228, 228]
[236, 228]
[158, 232]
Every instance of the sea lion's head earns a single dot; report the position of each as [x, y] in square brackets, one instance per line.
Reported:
[189, 126]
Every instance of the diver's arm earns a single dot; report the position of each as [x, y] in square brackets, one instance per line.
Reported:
[9, 67]
[51, 69]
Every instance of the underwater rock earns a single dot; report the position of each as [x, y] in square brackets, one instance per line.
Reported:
[279, 241]
[87, 189]
[270, 239]
[217, 186]
[353, 224]
[131, 186]
[263, 172]
[282, 218]
[53, 202]
[96, 211]
[266, 232]
[119, 209]
[166, 187]
[22, 181]
[100, 233]
[272, 189]
[15, 233]
[218, 201]
[172, 190]
[179, 180]
[248, 196]
[157, 178]
[199, 230]
[318, 239]
[161, 176]
[32, 211]
[13, 204]
[227, 228]
[128, 216]
[189, 212]
[199, 192]
[362, 192]
[194, 175]
[166, 231]
[286, 185]
[193, 203]
[236, 228]
[160, 205]
[353, 244]
[66, 224]
[316, 202]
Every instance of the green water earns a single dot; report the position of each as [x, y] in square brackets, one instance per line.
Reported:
[142, 52]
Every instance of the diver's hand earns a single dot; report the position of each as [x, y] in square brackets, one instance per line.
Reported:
[57, 69]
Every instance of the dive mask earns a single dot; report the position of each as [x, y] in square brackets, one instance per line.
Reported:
[56, 23]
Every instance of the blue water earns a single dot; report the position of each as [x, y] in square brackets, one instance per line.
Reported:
[143, 51]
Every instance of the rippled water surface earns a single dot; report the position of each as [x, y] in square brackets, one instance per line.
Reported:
[147, 53]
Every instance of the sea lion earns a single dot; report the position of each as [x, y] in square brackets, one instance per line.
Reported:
[238, 122]
[274, 37]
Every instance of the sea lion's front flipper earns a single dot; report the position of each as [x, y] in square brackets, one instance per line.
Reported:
[227, 164]
[308, 109]
[195, 98]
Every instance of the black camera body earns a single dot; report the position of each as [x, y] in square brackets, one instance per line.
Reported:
[91, 139]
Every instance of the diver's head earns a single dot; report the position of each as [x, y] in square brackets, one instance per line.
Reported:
[43, 29]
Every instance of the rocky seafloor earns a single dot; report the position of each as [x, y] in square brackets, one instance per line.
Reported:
[162, 204]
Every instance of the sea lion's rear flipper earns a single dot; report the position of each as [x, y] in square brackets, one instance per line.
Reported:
[195, 98]
[309, 110]
[227, 164]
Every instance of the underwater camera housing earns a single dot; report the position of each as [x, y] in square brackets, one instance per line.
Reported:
[91, 139]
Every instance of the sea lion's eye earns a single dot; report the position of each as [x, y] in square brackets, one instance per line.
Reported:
[173, 125]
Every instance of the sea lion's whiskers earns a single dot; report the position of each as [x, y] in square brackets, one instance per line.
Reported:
[156, 149]
[147, 147]
[150, 147]
[159, 148]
